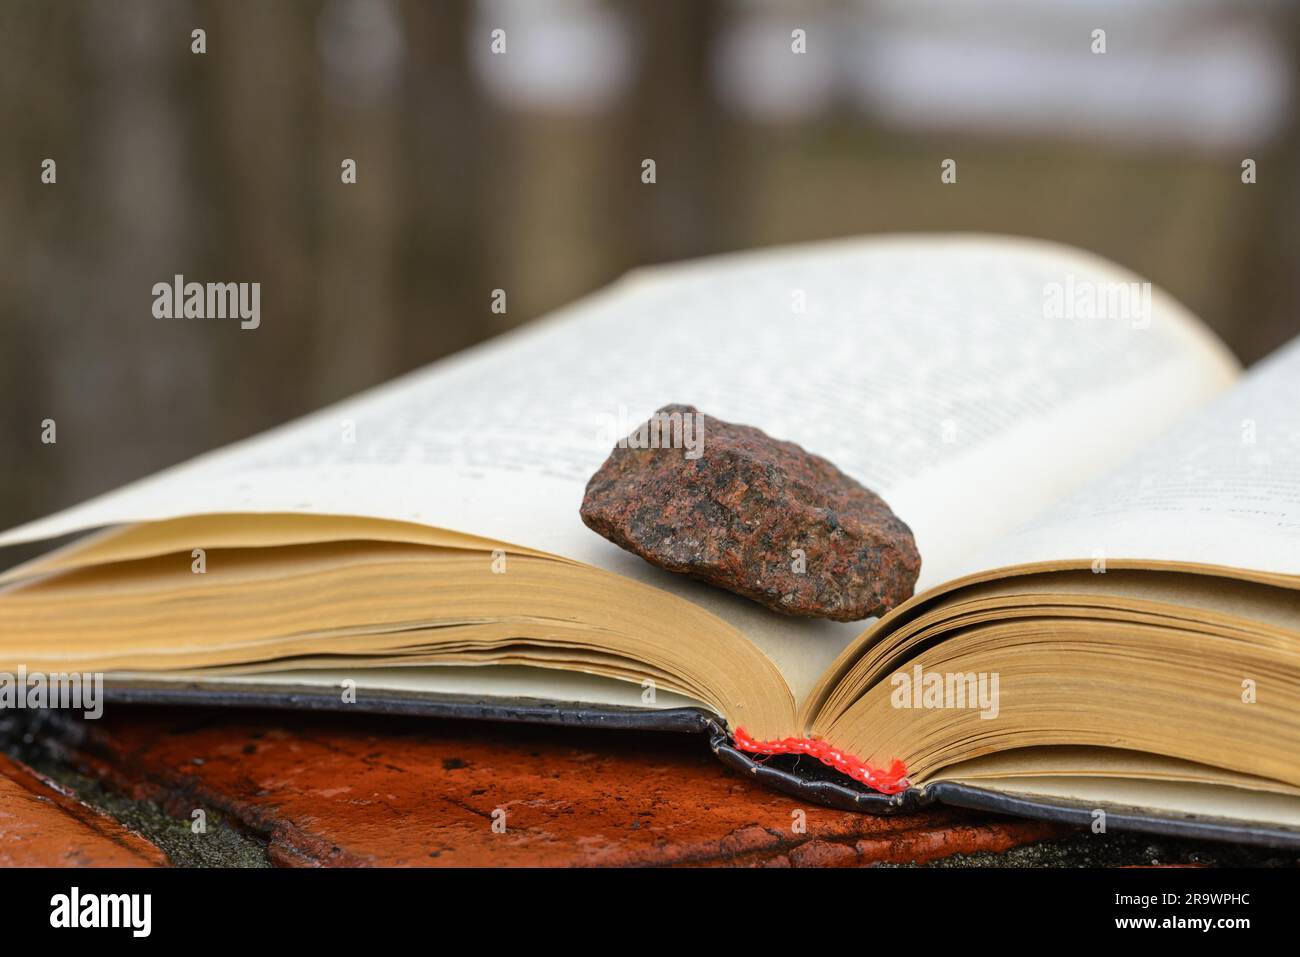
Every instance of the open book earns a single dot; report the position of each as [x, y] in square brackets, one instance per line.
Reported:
[1109, 523]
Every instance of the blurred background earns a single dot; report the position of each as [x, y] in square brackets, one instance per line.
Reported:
[521, 171]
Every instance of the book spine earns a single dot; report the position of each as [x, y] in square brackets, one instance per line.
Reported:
[890, 781]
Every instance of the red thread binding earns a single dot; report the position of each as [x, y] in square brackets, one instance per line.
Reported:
[892, 781]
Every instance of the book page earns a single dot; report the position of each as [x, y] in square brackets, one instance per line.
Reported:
[1222, 489]
[927, 368]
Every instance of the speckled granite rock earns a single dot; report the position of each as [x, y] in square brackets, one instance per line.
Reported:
[755, 515]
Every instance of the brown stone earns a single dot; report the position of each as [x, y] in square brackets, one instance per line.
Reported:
[754, 515]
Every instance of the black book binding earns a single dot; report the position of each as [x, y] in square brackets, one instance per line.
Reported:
[798, 776]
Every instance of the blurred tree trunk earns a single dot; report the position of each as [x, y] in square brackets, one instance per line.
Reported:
[128, 185]
[34, 285]
[673, 116]
[1266, 271]
[357, 329]
[446, 167]
[258, 152]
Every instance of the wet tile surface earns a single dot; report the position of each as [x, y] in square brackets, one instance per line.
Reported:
[41, 825]
[365, 790]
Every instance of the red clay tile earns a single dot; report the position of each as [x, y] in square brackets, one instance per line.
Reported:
[361, 790]
[43, 826]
